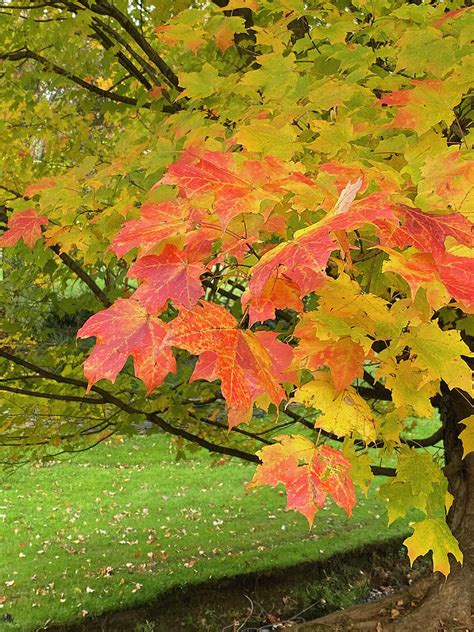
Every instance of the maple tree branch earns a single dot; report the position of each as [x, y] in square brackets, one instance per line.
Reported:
[103, 7]
[125, 406]
[153, 417]
[380, 470]
[121, 58]
[225, 427]
[82, 274]
[56, 396]
[379, 390]
[25, 53]
[30, 7]
[138, 58]
[17, 194]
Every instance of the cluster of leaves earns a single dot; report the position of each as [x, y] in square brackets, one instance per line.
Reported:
[291, 207]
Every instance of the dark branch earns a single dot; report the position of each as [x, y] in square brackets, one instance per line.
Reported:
[126, 407]
[103, 7]
[28, 54]
[82, 274]
[56, 396]
[122, 59]
[105, 28]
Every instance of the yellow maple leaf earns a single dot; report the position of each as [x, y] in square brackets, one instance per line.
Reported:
[342, 414]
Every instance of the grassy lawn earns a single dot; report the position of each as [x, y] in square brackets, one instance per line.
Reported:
[116, 526]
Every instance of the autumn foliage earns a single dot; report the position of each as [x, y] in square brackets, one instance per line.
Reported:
[301, 229]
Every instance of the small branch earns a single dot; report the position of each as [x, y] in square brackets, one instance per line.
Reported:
[17, 194]
[56, 396]
[82, 274]
[28, 54]
[236, 429]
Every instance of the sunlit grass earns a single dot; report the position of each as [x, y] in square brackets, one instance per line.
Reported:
[118, 525]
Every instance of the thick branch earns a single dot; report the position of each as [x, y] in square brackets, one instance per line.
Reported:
[122, 59]
[126, 407]
[105, 28]
[103, 7]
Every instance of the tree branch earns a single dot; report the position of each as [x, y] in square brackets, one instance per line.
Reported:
[122, 59]
[152, 417]
[103, 7]
[56, 396]
[22, 54]
[82, 274]
[102, 26]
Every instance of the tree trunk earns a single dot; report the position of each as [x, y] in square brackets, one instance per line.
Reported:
[449, 602]
[437, 604]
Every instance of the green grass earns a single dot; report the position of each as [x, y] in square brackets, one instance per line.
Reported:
[118, 525]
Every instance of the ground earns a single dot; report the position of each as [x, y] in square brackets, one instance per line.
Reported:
[117, 526]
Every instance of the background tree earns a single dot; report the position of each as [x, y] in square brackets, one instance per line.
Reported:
[280, 188]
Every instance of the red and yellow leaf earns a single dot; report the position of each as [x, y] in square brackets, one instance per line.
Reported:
[24, 225]
[125, 329]
[171, 275]
[309, 473]
[158, 222]
[235, 356]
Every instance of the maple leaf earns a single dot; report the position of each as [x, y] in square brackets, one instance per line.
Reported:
[457, 275]
[412, 387]
[449, 15]
[423, 105]
[171, 275]
[24, 225]
[423, 270]
[344, 356]
[277, 293]
[467, 435]
[439, 352]
[303, 260]
[342, 413]
[308, 472]
[433, 535]
[158, 221]
[426, 232]
[122, 330]
[235, 186]
[40, 185]
[235, 356]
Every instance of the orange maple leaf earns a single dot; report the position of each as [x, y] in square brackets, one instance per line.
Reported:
[158, 221]
[237, 357]
[171, 275]
[236, 186]
[24, 225]
[122, 330]
[308, 472]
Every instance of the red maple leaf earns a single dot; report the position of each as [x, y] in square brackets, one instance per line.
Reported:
[303, 260]
[172, 275]
[158, 222]
[427, 232]
[24, 225]
[235, 356]
[236, 186]
[125, 329]
[457, 275]
[308, 472]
